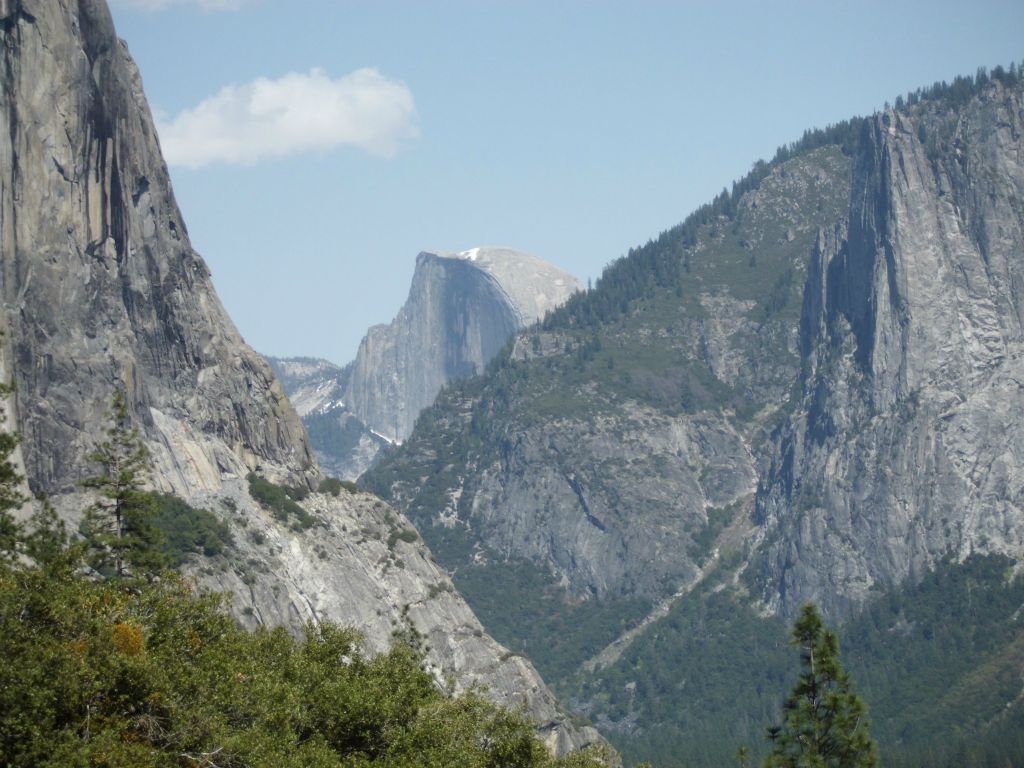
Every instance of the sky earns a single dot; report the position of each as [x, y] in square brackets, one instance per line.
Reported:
[316, 146]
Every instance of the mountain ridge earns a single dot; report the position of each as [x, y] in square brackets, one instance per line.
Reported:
[826, 356]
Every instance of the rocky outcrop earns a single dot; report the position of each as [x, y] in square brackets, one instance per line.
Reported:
[101, 290]
[100, 286]
[312, 383]
[360, 563]
[908, 442]
[462, 308]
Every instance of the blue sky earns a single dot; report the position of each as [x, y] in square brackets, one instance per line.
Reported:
[316, 146]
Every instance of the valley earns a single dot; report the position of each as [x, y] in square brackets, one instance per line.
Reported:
[529, 520]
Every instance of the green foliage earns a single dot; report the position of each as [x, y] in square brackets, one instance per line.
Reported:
[187, 531]
[525, 609]
[695, 685]
[407, 535]
[11, 498]
[158, 676]
[938, 662]
[118, 527]
[334, 486]
[963, 87]
[282, 501]
[824, 722]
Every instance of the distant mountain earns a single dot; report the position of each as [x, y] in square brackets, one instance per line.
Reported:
[101, 290]
[345, 447]
[808, 390]
[461, 309]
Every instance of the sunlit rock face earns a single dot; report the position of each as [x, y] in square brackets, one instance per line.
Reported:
[909, 442]
[461, 310]
[101, 288]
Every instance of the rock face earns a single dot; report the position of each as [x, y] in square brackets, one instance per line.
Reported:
[907, 444]
[362, 564]
[462, 308]
[101, 290]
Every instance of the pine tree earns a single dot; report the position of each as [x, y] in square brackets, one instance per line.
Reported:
[11, 497]
[825, 723]
[118, 527]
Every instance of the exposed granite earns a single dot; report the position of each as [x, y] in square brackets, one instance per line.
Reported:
[909, 443]
[461, 310]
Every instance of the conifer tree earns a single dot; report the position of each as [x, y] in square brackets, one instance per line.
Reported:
[825, 724]
[118, 527]
[11, 497]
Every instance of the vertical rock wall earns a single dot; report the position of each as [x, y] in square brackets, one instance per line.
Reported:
[100, 286]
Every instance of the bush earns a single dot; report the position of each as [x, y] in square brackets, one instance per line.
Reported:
[280, 500]
[404, 534]
[334, 486]
[188, 531]
[158, 676]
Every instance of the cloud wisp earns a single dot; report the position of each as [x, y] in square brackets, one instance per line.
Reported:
[244, 124]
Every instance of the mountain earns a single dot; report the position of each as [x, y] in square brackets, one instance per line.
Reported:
[103, 291]
[461, 310]
[344, 446]
[808, 390]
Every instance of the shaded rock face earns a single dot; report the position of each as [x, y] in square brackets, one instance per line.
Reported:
[908, 442]
[100, 286]
[612, 536]
[101, 290]
[462, 308]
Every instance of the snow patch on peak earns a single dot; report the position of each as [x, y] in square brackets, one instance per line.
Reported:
[471, 254]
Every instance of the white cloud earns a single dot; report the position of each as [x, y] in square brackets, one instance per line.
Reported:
[242, 124]
[206, 5]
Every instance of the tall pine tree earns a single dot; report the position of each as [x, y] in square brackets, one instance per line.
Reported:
[11, 497]
[825, 724]
[118, 527]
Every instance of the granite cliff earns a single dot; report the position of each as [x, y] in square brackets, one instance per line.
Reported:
[906, 445]
[101, 290]
[100, 285]
[462, 308]
[832, 364]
